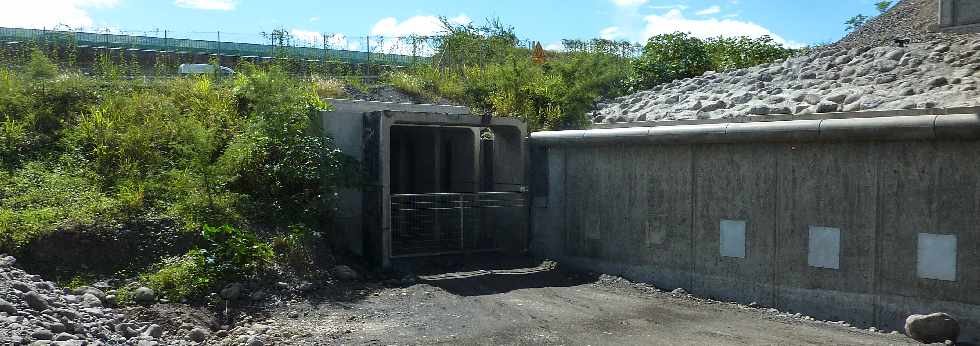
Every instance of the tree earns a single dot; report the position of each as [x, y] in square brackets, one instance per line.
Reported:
[883, 6]
[856, 22]
[673, 56]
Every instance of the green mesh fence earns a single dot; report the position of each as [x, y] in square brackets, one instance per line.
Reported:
[204, 47]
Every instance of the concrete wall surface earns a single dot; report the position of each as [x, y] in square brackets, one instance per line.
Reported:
[864, 220]
[964, 14]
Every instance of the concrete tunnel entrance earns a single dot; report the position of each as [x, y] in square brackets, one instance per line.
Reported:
[440, 181]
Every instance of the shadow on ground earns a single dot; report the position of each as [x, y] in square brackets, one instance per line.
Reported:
[493, 274]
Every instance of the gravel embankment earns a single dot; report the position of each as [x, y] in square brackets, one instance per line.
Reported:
[866, 71]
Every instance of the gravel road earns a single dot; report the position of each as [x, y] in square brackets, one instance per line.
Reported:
[540, 305]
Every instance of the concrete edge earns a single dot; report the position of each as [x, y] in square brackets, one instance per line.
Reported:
[362, 106]
[909, 127]
[787, 117]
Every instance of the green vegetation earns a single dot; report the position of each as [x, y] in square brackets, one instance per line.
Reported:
[105, 151]
[230, 254]
[99, 153]
[490, 70]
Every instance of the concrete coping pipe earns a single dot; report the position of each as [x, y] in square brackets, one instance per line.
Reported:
[914, 127]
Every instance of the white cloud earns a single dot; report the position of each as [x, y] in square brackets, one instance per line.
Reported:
[51, 13]
[314, 19]
[555, 47]
[418, 25]
[315, 39]
[390, 36]
[709, 11]
[674, 20]
[307, 38]
[611, 33]
[219, 5]
[629, 3]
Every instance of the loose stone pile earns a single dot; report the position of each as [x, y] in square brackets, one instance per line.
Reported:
[34, 311]
[940, 73]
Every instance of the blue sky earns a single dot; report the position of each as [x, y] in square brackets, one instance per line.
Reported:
[794, 22]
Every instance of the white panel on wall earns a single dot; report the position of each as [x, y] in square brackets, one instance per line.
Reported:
[824, 249]
[732, 242]
[936, 257]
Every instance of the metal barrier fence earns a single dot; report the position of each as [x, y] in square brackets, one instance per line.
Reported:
[448, 223]
[164, 44]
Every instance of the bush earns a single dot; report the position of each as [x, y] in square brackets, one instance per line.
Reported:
[40, 67]
[742, 52]
[668, 57]
[329, 87]
[230, 254]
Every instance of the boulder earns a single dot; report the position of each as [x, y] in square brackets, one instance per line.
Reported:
[937, 327]
[232, 291]
[36, 301]
[144, 295]
[91, 301]
[343, 272]
[7, 307]
[827, 107]
[198, 334]
[81, 291]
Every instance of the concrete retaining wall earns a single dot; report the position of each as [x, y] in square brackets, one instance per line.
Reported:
[959, 15]
[843, 219]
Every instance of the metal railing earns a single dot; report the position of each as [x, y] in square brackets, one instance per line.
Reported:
[447, 223]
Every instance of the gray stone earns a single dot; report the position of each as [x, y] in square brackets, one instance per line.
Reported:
[938, 82]
[713, 106]
[56, 327]
[852, 98]
[885, 79]
[937, 327]
[759, 110]
[198, 334]
[64, 337]
[343, 272]
[144, 295]
[153, 331]
[808, 75]
[91, 301]
[812, 99]
[42, 334]
[81, 291]
[7, 261]
[895, 54]
[827, 107]
[837, 97]
[886, 65]
[843, 59]
[36, 301]
[232, 291]
[741, 98]
[943, 48]
[254, 341]
[21, 286]
[7, 307]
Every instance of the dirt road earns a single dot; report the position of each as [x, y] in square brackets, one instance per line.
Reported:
[526, 305]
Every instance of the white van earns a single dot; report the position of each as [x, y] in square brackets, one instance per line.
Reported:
[203, 69]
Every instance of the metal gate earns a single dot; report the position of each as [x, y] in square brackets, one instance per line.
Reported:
[450, 223]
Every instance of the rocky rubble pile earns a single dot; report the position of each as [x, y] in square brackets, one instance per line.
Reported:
[941, 73]
[34, 311]
[913, 20]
